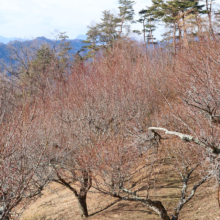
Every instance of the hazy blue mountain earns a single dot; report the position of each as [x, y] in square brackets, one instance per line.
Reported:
[75, 44]
[81, 37]
[6, 40]
[3, 51]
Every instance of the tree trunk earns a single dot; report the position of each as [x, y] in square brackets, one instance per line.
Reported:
[144, 31]
[83, 205]
[180, 35]
[198, 25]
[174, 38]
[209, 9]
[186, 44]
[156, 206]
[81, 196]
[151, 35]
[122, 22]
[210, 26]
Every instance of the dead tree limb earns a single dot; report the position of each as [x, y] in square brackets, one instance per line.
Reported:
[186, 138]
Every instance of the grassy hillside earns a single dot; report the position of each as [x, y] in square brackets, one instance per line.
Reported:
[58, 203]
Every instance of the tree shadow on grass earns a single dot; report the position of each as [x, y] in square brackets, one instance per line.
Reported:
[108, 206]
[124, 207]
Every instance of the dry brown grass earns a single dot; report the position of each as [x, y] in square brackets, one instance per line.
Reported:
[58, 203]
[63, 206]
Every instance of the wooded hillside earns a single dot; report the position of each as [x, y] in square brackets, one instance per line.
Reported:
[120, 124]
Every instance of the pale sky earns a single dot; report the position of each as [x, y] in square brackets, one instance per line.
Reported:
[34, 18]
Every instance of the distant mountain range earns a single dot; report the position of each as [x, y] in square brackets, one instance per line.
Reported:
[6, 40]
[5, 43]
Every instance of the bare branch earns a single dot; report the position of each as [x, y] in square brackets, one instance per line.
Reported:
[185, 138]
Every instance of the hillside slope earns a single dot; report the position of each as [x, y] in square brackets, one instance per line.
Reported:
[59, 203]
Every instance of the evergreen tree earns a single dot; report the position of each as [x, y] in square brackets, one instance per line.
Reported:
[142, 20]
[101, 35]
[92, 40]
[148, 20]
[126, 15]
[175, 13]
[187, 8]
[34, 78]
[108, 29]
[64, 48]
[168, 14]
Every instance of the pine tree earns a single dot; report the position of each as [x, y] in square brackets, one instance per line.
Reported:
[92, 42]
[142, 20]
[126, 15]
[175, 14]
[64, 48]
[101, 35]
[187, 8]
[147, 19]
[105, 33]
[168, 14]
[108, 29]
[34, 78]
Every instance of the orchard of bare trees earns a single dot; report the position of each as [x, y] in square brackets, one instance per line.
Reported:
[112, 126]
[120, 121]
